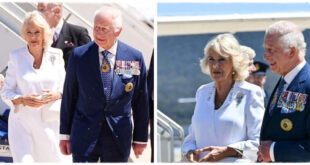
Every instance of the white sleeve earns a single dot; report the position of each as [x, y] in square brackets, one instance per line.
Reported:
[9, 90]
[254, 113]
[190, 141]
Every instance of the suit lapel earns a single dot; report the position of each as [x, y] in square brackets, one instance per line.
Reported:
[63, 36]
[120, 55]
[94, 67]
[297, 82]
[267, 114]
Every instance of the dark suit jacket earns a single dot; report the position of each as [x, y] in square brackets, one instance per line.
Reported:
[70, 37]
[150, 85]
[292, 145]
[84, 107]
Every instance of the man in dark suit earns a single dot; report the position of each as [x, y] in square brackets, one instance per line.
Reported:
[285, 132]
[150, 85]
[66, 36]
[105, 79]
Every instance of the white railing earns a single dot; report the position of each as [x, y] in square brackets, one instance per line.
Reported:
[169, 132]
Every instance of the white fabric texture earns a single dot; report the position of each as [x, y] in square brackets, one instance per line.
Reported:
[32, 139]
[236, 123]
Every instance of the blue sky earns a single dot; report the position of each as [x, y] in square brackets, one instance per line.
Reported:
[201, 9]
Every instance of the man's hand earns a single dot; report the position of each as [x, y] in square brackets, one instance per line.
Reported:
[64, 146]
[138, 149]
[263, 154]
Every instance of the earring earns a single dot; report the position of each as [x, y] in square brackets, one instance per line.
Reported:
[233, 72]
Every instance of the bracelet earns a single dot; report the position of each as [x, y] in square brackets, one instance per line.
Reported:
[238, 153]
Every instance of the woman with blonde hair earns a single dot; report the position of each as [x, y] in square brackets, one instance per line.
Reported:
[32, 89]
[228, 114]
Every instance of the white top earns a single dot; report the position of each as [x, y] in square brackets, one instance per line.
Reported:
[236, 123]
[289, 77]
[21, 78]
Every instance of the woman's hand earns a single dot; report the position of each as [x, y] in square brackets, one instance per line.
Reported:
[32, 100]
[192, 156]
[49, 96]
[216, 153]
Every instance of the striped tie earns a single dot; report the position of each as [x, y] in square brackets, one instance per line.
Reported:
[106, 76]
[54, 40]
[279, 92]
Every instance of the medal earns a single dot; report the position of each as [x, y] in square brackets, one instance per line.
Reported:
[105, 67]
[286, 124]
[118, 71]
[136, 72]
[128, 87]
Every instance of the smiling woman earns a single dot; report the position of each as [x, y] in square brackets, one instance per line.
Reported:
[33, 84]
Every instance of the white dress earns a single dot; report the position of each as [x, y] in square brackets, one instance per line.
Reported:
[31, 139]
[236, 123]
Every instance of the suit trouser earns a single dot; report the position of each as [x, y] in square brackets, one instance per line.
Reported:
[32, 140]
[105, 150]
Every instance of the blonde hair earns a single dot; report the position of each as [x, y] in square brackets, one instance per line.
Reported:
[227, 46]
[248, 52]
[36, 18]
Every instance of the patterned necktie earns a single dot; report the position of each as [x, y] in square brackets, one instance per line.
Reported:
[106, 74]
[54, 40]
[279, 92]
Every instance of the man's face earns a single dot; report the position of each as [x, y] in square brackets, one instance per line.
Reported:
[276, 56]
[49, 15]
[105, 34]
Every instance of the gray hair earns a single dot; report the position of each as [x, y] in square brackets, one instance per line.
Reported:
[115, 13]
[227, 46]
[288, 35]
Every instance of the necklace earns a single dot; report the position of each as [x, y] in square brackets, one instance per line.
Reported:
[217, 105]
[36, 66]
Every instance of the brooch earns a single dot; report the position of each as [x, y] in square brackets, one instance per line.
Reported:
[239, 97]
[52, 59]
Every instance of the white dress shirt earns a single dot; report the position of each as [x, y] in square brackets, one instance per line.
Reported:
[289, 77]
[59, 27]
[236, 123]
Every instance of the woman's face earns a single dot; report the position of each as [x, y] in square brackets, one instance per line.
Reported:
[34, 36]
[219, 66]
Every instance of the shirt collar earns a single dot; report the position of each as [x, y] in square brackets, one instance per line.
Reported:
[59, 27]
[112, 50]
[292, 74]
